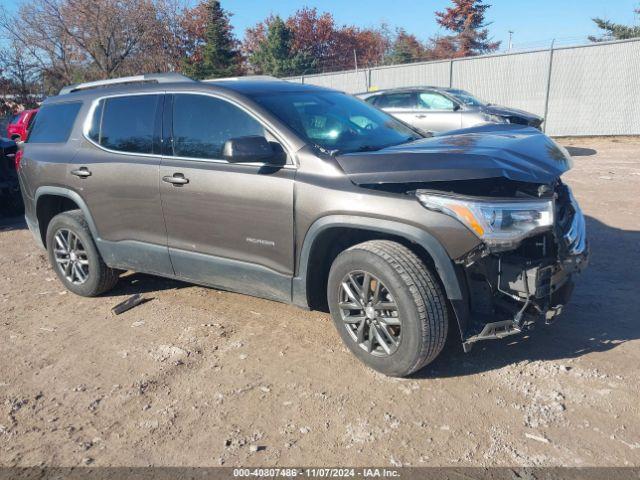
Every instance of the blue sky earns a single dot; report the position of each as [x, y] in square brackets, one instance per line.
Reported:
[531, 20]
[534, 22]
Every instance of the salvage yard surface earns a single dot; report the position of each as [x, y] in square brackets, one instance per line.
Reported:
[200, 377]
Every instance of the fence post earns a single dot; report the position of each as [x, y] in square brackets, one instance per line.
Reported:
[548, 88]
[451, 73]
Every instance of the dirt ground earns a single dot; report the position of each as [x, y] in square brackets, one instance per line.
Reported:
[199, 377]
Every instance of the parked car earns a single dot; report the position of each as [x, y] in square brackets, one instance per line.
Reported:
[434, 109]
[10, 198]
[308, 196]
[19, 124]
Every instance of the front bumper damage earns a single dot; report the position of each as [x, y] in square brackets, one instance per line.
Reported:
[508, 292]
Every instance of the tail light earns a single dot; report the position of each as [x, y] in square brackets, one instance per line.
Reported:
[17, 158]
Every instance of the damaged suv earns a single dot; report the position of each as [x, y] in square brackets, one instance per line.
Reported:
[309, 196]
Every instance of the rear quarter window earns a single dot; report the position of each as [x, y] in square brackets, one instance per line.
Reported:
[53, 123]
[126, 123]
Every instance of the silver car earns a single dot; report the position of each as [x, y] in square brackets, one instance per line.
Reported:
[435, 109]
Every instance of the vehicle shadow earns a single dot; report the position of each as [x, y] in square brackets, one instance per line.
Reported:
[10, 223]
[131, 283]
[580, 151]
[602, 314]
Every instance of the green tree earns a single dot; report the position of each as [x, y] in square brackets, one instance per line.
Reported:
[615, 31]
[274, 54]
[216, 53]
[406, 48]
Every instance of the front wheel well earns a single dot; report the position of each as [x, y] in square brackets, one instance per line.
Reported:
[49, 206]
[330, 243]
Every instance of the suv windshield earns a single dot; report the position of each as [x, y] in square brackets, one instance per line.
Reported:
[466, 98]
[335, 121]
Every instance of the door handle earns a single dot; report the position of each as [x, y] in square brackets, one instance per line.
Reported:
[421, 115]
[177, 179]
[82, 172]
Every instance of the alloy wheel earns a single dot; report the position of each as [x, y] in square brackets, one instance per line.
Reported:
[71, 257]
[370, 313]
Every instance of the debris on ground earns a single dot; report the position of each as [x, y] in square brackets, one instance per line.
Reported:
[129, 303]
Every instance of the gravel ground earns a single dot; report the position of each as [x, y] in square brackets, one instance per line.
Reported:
[199, 377]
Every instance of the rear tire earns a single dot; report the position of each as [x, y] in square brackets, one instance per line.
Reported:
[75, 258]
[411, 318]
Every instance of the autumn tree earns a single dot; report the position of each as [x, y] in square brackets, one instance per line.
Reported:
[366, 44]
[211, 49]
[274, 54]
[466, 19]
[615, 31]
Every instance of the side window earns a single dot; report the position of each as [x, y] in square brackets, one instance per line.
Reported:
[125, 124]
[202, 124]
[396, 100]
[434, 101]
[53, 123]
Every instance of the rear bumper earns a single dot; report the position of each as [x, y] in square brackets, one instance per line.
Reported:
[35, 231]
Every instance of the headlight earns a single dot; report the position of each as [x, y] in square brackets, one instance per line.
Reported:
[494, 118]
[500, 224]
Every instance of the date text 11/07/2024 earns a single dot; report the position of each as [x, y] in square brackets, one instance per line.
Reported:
[317, 472]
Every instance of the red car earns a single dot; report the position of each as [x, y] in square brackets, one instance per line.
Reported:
[19, 124]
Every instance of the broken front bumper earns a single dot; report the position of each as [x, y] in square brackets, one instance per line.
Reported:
[508, 292]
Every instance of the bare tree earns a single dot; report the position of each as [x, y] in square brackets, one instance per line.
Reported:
[44, 43]
[76, 40]
[20, 69]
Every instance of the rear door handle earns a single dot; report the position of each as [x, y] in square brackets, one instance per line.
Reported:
[177, 179]
[82, 172]
[421, 115]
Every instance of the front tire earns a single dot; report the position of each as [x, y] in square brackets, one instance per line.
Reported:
[75, 258]
[388, 307]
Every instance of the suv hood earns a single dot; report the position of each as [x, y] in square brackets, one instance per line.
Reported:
[488, 151]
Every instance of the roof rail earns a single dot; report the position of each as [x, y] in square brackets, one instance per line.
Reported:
[246, 77]
[146, 78]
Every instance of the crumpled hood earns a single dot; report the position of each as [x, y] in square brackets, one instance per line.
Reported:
[508, 112]
[514, 152]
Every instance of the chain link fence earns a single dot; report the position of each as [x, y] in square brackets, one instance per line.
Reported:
[591, 89]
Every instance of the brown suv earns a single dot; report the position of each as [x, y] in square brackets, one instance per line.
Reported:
[306, 195]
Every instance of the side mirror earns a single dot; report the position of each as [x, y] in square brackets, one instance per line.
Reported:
[456, 107]
[247, 149]
[8, 147]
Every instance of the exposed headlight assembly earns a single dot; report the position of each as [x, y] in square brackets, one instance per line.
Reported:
[494, 118]
[501, 224]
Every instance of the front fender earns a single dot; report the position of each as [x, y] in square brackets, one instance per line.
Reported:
[444, 265]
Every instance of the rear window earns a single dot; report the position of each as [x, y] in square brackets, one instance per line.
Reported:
[53, 123]
[396, 100]
[126, 124]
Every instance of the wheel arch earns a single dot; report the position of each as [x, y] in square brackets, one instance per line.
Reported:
[323, 241]
[51, 201]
